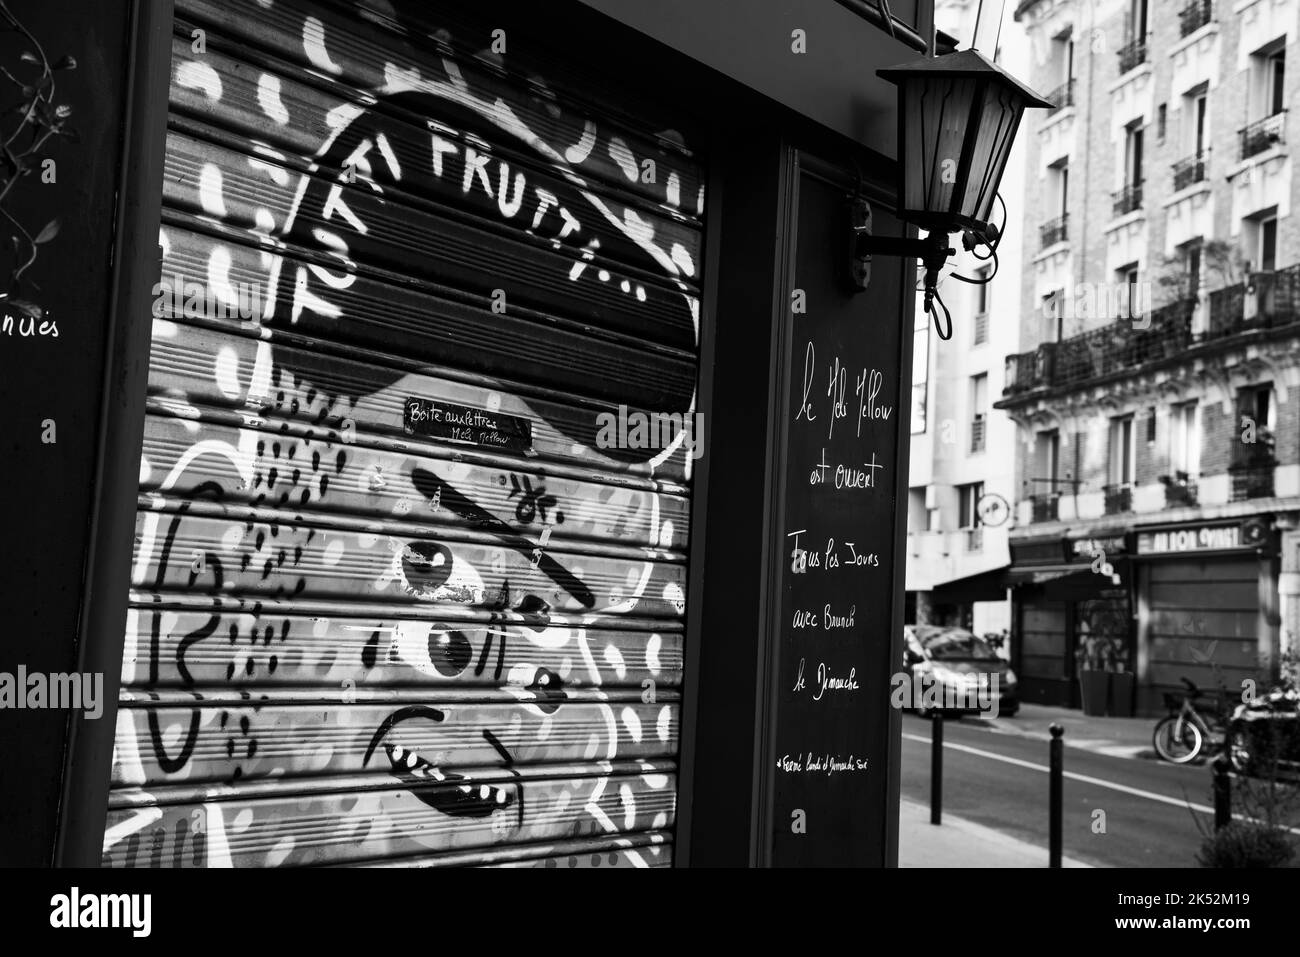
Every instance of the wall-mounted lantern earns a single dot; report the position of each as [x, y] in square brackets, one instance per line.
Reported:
[957, 119]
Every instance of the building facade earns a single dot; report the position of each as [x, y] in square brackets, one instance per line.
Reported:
[1154, 388]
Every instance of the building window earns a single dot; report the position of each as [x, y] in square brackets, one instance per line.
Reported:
[1268, 244]
[1184, 441]
[1054, 314]
[1275, 82]
[1045, 488]
[968, 497]
[1122, 466]
[1267, 100]
[1129, 196]
[920, 371]
[1160, 123]
[1134, 50]
[1191, 253]
[1055, 229]
[1127, 276]
[979, 400]
[983, 275]
[1253, 454]
[1063, 55]
[1192, 167]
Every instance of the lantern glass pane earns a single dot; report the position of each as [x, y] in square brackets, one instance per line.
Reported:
[999, 116]
[936, 115]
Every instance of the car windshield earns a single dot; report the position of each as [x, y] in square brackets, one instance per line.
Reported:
[958, 646]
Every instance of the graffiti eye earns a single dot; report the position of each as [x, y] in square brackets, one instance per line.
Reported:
[449, 652]
[426, 565]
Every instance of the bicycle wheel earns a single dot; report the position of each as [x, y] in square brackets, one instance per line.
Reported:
[1176, 747]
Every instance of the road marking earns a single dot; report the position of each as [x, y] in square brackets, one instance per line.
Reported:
[1084, 778]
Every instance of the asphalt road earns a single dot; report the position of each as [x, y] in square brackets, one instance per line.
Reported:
[1146, 819]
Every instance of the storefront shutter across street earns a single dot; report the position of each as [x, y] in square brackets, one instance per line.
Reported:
[393, 600]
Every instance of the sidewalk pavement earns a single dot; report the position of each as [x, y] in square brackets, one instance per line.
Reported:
[1118, 737]
[961, 843]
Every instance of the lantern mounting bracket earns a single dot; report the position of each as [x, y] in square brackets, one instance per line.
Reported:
[933, 250]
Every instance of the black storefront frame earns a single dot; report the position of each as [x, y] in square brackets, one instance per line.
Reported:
[1074, 583]
[752, 148]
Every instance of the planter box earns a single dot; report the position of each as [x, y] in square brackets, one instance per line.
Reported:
[1094, 687]
[1120, 700]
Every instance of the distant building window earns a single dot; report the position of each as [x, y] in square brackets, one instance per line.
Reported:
[920, 371]
[1184, 441]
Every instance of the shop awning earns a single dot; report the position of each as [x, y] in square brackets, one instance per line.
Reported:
[985, 586]
[1069, 580]
[1037, 574]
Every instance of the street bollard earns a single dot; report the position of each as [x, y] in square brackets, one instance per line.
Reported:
[1056, 793]
[1222, 792]
[936, 767]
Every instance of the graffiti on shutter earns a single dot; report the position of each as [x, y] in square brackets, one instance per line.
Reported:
[359, 637]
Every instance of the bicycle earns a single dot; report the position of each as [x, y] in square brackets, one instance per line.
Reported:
[1180, 736]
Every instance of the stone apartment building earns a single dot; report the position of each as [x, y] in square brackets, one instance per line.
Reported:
[1156, 387]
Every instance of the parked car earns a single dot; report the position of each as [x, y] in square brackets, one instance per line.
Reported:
[963, 666]
[1264, 735]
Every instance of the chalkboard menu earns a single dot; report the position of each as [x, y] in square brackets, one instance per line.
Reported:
[829, 740]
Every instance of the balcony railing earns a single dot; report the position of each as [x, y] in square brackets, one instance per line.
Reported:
[1254, 480]
[1194, 16]
[1118, 498]
[1125, 345]
[1260, 135]
[1132, 54]
[981, 328]
[1276, 294]
[1045, 507]
[1266, 299]
[977, 431]
[1053, 231]
[1180, 490]
[1128, 199]
[1062, 96]
[1189, 171]
[975, 538]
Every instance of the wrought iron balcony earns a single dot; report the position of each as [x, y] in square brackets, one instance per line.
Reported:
[1266, 299]
[975, 538]
[1252, 480]
[1128, 199]
[1132, 55]
[977, 430]
[1121, 346]
[1053, 231]
[1262, 134]
[1189, 171]
[1180, 490]
[1045, 507]
[1118, 498]
[1194, 16]
[1062, 96]
[981, 329]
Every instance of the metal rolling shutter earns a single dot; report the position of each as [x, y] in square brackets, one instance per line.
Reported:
[353, 639]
